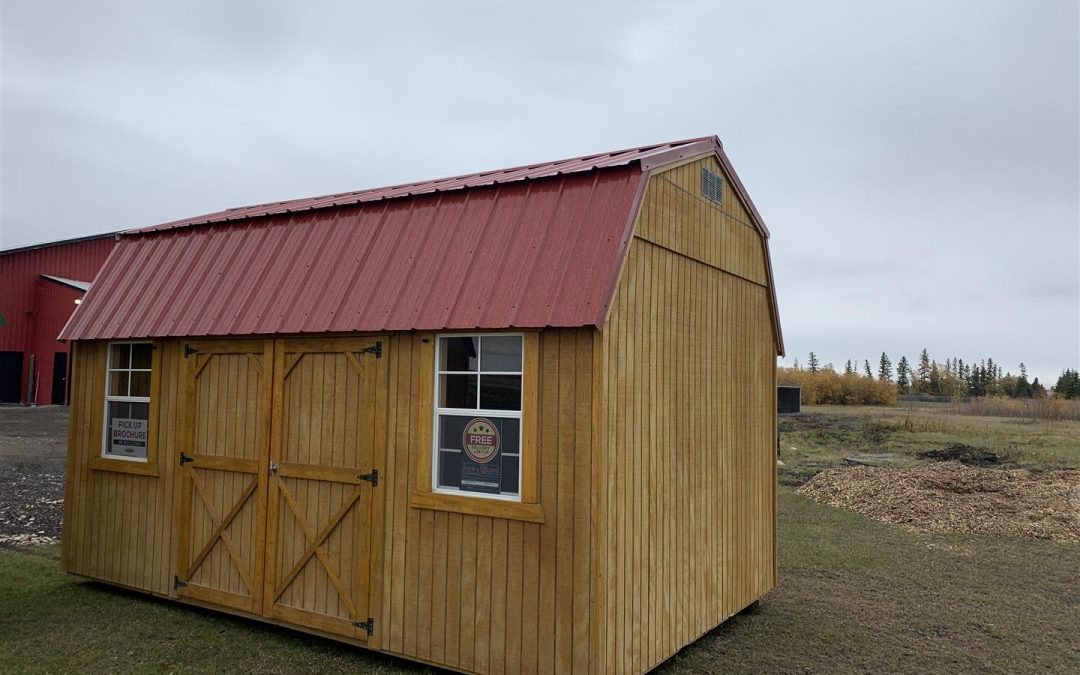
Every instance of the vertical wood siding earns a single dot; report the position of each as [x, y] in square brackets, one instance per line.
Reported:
[471, 592]
[689, 380]
[490, 594]
[119, 527]
[675, 216]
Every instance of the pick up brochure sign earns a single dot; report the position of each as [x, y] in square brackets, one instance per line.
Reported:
[128, 437]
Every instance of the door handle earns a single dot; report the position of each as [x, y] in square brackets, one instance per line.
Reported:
[273, 468]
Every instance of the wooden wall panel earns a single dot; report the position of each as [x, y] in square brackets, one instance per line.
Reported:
[490, 594]
[118, 527]
[675, 215]
[472, 592]
[689, 426]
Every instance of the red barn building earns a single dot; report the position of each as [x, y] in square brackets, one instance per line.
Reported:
[39, 288]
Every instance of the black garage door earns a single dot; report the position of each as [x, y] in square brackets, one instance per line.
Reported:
[10, 376]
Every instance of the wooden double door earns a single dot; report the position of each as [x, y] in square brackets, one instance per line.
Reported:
[277, 479]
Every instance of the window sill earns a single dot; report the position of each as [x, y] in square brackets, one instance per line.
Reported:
[124, 466]
[478, 506]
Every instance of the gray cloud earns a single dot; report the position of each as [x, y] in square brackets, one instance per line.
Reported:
[917, 162]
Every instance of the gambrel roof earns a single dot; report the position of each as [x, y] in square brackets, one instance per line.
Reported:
[528, 247]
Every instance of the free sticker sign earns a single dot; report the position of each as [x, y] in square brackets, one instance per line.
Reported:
[481, 466]
[481, 440]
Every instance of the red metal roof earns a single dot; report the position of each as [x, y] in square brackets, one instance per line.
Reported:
[643, 154]
[527, 247]
[525, 255]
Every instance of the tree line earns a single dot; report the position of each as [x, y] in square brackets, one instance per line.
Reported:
[954, 377]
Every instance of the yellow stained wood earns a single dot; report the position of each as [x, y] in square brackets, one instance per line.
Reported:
[688, 370]
[530, 491]
[494, 617]
[493, 508]
[220, 516]
[320, 537]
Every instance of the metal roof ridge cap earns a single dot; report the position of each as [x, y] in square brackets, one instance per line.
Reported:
[669, 155]
[220, 217]
[556, 168]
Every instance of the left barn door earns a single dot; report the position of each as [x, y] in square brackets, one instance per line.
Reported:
[223, 474]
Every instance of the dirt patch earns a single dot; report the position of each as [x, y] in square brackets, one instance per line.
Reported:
[951, 498]
[965, 454]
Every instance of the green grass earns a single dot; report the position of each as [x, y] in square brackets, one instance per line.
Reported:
[51, 622]
[854, 595]
[858, 596]
[824, 435]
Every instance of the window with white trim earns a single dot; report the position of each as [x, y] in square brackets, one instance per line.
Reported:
[477, 435]
[127, 400]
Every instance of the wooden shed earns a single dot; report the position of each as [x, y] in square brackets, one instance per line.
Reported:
[516, 421]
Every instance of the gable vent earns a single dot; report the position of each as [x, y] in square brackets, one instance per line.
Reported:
[712, 186]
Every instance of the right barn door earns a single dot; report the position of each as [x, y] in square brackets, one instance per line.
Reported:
[321, 481]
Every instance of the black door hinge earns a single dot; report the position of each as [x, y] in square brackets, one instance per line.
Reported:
[189, 350]
[177, 584]
[184, 459]
[368, 625]
[372, 477]
[375, 349]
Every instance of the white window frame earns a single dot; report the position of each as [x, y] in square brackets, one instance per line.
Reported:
[475, 412]
[124, 399]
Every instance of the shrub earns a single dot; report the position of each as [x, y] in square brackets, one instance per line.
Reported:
[828, 387]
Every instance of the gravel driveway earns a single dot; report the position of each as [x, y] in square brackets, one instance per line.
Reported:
[33, 450]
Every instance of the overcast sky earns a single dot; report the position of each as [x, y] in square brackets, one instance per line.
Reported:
[918, 163]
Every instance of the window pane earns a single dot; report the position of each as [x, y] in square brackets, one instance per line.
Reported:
[127, 430]
[450, 469]
[500, 353]
[119, 356]
[510, 429]
[140, 383]
[118, 383]
[141, 355]
[482, 464]
[457, 391]
[500, 392]
[510, 475]
[458, 353]
[451, 430]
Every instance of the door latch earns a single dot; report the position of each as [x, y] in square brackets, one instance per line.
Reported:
[273, 468]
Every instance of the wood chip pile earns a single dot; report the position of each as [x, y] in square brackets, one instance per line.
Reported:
[950, 498]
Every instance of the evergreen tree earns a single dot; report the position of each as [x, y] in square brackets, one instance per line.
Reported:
[903, 380]
[922, 376]
[1037, 390]
[934, 381]
[1023, 388]
[796, 364]
[1068, 384]
[866, 367]
[885, 368]
[813, 363]
[848, 370]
